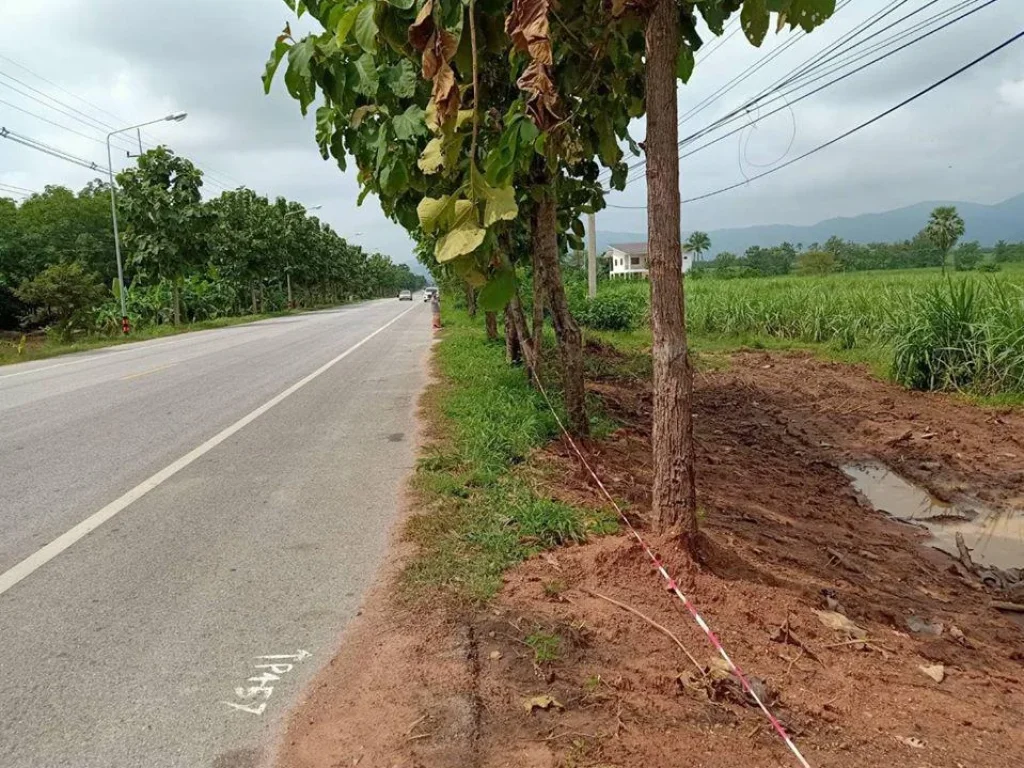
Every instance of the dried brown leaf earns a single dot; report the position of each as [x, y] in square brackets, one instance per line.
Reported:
[423, 28]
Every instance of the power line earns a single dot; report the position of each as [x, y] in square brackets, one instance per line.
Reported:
[830, 83]
[51, 122]
[822, 58]
[71, 112]
[49, 150]
[743, 112]
[214, 176]
[860, 127]
[10, 189]
[736, 80]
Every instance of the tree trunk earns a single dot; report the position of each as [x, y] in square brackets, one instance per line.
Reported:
[567, 333]
[176, 300]
[255, 308]
[491, 320]
[539, 294]
[674, 495]
[522, 330]
[513, 352]
[291, 303]
[471, 300]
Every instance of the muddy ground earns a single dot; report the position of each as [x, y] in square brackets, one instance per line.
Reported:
[787, 538]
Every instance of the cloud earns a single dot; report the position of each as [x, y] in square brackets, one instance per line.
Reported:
[1011, 92]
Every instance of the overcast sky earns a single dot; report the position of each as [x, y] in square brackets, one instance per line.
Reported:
[139, 59]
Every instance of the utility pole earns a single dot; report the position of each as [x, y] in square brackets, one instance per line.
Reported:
[591, 255]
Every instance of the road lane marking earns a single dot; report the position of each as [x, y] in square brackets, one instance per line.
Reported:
[46, 553]
[146, 373]
[134, 347]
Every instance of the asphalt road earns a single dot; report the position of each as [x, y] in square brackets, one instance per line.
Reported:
[177, 559]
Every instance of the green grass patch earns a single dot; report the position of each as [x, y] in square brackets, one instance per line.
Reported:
[36, 350]
[482, 512]
[959, 332]
[546, 646]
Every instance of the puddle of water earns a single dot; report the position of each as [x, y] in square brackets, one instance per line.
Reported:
[996, 537]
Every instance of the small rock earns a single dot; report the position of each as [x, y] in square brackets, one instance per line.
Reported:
[936, 672]
[541, 702]
[956, 633]
[495, 655]
[911, 741]
[919, 626]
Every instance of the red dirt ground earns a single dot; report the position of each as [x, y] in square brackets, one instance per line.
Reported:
[772, 431]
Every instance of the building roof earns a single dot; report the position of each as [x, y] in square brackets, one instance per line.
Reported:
[633, 249]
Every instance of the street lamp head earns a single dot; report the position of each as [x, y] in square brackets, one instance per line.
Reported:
[314, 208]
[176, 117]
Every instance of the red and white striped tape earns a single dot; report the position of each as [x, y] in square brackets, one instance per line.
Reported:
[674, 587]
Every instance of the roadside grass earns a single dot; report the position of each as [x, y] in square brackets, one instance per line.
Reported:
[33, 350]
[482, 511]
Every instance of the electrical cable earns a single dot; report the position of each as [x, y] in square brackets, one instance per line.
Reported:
[784, 95]
[855, 129]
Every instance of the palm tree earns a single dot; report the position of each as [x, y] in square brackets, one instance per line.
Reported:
[944, 228]
[698, 244]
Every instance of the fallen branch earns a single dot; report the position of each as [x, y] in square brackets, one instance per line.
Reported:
[843, 560]
[650, 621]
[965, 553]
[1002, 605]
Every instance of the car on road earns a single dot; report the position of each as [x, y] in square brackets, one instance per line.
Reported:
[429, 293]
[405, 295]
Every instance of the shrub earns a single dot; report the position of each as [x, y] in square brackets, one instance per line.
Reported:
[61, 296]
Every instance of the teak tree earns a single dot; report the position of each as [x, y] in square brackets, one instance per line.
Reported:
[508, 124]
[482, 142]
[165, 223]
[672, 39]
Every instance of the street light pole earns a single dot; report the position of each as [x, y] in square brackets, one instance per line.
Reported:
[175, 117]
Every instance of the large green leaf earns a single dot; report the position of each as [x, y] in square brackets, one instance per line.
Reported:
[299, 77]
[432, 159]
[431, 211]
[280, 49]
[344, 23]
[394, 178]
[684, 64]
[713, 15]
[366, 27]
[754, 20]
[810, 13]
[501, 205]
[324, 130]
[369, 78]
[608, 147]
[499, 202]
[409, 124]
[400, 79]
[460, 241]
[405, 5]
[498, 292]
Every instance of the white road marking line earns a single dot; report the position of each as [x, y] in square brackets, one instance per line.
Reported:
[99, 355]
[146, 373]
[46, 553]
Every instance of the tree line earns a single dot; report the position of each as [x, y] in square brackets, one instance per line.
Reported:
[937, 245]
[185, 258]
[487, 128]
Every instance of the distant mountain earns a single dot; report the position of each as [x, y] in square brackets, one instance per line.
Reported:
[984, 223]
